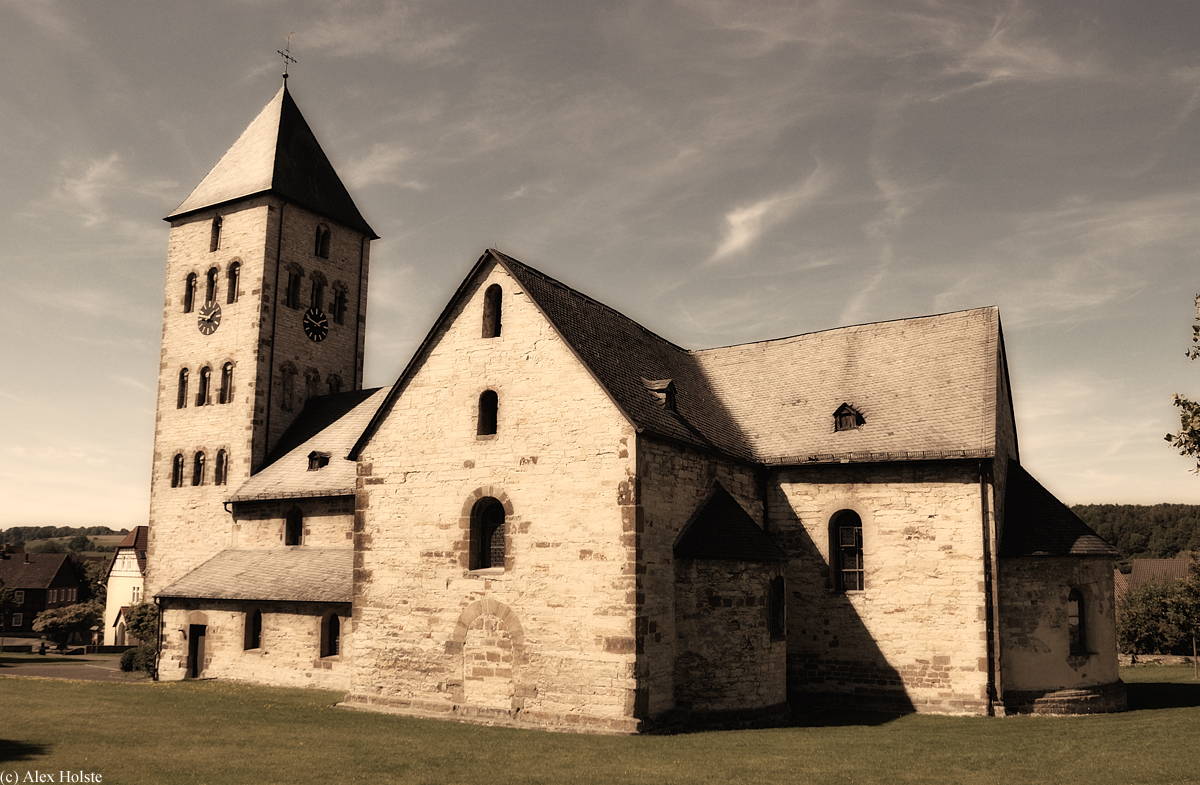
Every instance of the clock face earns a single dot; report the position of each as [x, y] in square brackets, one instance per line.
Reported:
[316, 324]
[209, 318]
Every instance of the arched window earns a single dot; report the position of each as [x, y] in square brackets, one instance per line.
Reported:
[221, 470]
[182, 398]
[226, 383]
[292, 295]
[777, 608]
[253, 631]
[316, 297]
[287, 387]
[335, 383]
[210, 285]
[1075, 626]
[846, 551]
[198, 469]
[339, 302]
[177, 471]
[491, 311]
[214, 242]
[293, 530]
[203, 388]
[487, 534]
[321, 246]
[488, 405]
[189, 293]
[312, 383]
[233, 278]
[331, 635]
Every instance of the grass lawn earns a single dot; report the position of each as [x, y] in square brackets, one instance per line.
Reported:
[224, 733]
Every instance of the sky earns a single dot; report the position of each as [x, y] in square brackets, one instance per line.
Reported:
[722, 172]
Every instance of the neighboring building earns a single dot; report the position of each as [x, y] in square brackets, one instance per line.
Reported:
[39, 582]
[126, 584]
[556, 517]
[1143, 571]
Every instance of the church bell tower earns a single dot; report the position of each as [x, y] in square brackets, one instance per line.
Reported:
[266, 295]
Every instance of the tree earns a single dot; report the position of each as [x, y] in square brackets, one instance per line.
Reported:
[142, 623]
[79, 542]
[1150, 621]
[60, 623]
[1187, 438]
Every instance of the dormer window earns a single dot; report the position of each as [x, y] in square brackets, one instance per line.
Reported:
[317, 460]
[663, 391]
[847, 418]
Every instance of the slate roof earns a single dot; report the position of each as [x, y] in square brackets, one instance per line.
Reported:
[278, 153]
[721, 530]
[38, 573]
[1037, 524]
[295, 574]
[329, 424]
[925, 387]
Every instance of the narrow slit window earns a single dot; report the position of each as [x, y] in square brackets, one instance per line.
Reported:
[339, 303]
[293, 533]
[181, 400]
[335, 383]
[202, 388]
[198, 469]
[331, 635]
[777, 608]
[189, 293]
[846, 550]
[177, 471]
[221, 470]
[214, 241]
[487, 534]
[321, 245]
[489, 405]
[233, 280]
[491, 311]
[317, 297]
[254, 625]
[292, 295]
[226, 383]
[210, 286]
[1075, 626]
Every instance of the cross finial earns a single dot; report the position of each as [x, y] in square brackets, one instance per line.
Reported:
[286, 54]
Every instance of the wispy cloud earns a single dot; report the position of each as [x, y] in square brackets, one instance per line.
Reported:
[744, 225]
[396, 30]
[95, 192]
[383, 164]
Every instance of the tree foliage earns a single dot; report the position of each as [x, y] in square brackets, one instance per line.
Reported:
[1187, 438]
[1161, 616]
[1159, 531]
[60, 623]
[142, 623]
[22, 534]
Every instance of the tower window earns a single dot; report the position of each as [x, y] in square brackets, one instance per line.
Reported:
[317, 295]
[177, 471]
[202, 392]
[214, 242]
[491, 311]
[221, 470]
[293, 530]
[847, 418]
[1075, 626]
[331, 635]
[189, 293]
[335, 383]
[233, 278]
[210, 286]
[226, 383]
[488, 405]
[339, 302]
[253, 632]
[487, 534]
[292, 295]
[846, 551]
[321, 246]
[182, 398]
[287, 387]
[312, 383]
[198, 469]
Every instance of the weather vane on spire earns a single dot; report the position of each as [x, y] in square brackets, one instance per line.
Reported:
[286, 54]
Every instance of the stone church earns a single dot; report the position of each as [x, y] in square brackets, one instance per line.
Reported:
[557, 518]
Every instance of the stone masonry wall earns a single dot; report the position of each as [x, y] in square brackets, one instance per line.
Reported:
[726, 660]
[673, 482]
[328, 522]
[916, 637]
[548, 638]
[1036, 653]
[290, 654]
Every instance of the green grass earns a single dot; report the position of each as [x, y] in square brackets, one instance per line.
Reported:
[224, 733]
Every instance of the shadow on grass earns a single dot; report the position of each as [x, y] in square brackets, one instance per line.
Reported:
[18, 750]
[1161, 695]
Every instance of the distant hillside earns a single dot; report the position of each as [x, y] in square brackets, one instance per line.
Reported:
[21, 534]
[1158, 531]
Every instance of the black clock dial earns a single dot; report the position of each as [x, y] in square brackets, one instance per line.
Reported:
[209, 318]
[316, 324]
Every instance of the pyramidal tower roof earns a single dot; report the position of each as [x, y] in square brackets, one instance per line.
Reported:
[277, 153]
